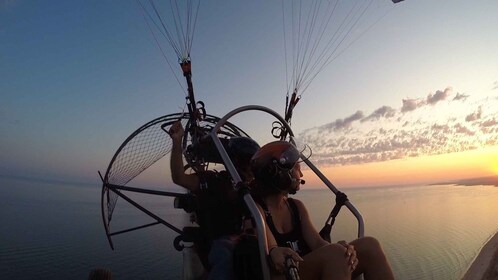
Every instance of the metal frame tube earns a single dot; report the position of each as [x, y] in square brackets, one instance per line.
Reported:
[146, 191]
[354, 211]
[260, 224]
[143, 209]
[253, 208]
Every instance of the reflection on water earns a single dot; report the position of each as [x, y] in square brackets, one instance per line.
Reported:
[55, 231]
[52, 231]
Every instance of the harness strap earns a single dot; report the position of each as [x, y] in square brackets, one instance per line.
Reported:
[296, 219]
[340, 200]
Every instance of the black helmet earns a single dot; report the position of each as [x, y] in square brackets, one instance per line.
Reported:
[241, 149]
[272, 164]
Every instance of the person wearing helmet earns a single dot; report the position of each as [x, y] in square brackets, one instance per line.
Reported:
[290, 233]
[219, 209]
[239, 149]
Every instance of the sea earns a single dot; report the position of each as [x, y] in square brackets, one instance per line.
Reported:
[54, 230]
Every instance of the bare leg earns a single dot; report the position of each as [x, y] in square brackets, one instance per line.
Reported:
[372, 260]
[327, 262]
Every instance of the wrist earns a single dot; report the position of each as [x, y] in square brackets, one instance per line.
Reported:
[271, 248]
[269, 255]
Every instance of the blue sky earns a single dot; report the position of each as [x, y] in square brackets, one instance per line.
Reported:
[77, 77]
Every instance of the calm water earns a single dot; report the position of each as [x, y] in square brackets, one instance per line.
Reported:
[54, 231]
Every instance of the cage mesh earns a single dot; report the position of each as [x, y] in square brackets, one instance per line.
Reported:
[144, 147]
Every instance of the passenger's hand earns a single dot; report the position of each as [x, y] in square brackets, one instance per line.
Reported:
[351, 258]
[176, 131]
[278, 255]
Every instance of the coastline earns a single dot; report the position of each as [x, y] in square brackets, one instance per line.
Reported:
[479, 181]
[485, 265]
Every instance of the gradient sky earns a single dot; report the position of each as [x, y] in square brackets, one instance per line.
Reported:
[414, 100]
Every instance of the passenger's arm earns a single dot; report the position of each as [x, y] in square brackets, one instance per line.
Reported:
[310, 234]
[188, 181]
[313, 238]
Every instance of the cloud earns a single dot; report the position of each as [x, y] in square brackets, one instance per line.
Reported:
[384, 111]
[495, 85]
[460, 129]
[411, 104]
[441, 127]
[438, 96]
[383, 145]
[474, 116]
[344, 123]
[460, 96]
[388, 133]
[489, 123]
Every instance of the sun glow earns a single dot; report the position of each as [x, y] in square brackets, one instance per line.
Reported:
[495, 167]
[417, 170]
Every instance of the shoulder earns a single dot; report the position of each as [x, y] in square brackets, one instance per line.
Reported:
[299, 205]
[260, 205]
[297, 202]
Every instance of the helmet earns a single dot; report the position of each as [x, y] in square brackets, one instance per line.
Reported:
[241, 149]
[272, 164]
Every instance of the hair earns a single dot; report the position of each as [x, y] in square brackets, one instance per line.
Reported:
[261, 189]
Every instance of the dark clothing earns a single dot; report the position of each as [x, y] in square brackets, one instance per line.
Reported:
[219, 207]
[293, 239]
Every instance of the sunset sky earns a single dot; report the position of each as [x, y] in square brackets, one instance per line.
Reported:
[413, 100]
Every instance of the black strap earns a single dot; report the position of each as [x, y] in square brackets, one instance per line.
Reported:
[296, 218]
[340, 199]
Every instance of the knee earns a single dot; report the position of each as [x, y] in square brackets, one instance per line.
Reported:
[368, 246]
[332, 253]
[371, 242]
[333, 248]
[333, 256]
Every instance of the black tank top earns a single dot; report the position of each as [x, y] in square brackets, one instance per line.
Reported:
[293, 239]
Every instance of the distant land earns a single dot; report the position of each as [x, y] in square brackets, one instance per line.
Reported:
[490, 180]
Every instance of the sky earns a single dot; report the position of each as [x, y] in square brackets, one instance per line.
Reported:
[413, 100]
